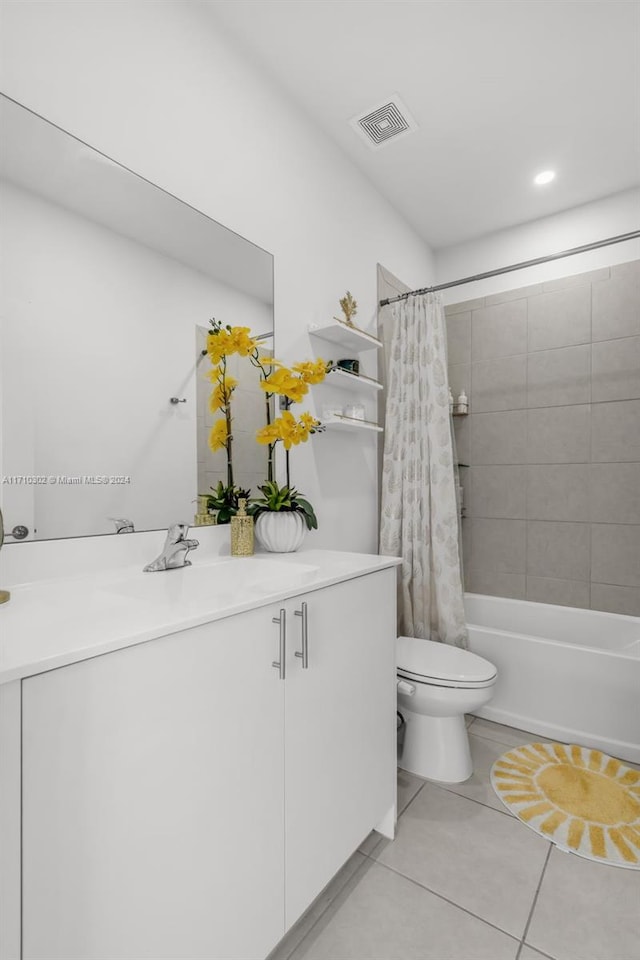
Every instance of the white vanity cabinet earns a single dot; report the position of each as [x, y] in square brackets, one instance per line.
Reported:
[181, 799]
[152, 784]
[340, 730]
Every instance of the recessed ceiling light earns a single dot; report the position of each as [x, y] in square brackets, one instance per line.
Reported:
[545, 177]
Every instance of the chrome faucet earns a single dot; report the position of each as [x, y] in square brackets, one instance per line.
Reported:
[175, 550]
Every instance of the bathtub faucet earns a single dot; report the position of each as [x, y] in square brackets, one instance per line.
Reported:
[175, 550]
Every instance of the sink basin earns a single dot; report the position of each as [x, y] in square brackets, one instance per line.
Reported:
[222, 582]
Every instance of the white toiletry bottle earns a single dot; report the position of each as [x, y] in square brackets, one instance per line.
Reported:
[463, 403]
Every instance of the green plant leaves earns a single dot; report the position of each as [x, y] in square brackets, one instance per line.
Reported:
[284, 499]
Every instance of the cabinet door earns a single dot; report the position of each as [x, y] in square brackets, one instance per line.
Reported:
[340, 755]
[153, 800]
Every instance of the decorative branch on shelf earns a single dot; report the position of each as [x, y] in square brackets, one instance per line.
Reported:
[349, 307]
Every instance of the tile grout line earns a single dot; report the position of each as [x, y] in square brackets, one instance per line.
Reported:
[441, 896]
[407, 805]
[330, 903]
[487, 806]
[533, 904]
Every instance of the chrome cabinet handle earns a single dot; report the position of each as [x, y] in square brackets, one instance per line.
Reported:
[304, 653]
[281, 664]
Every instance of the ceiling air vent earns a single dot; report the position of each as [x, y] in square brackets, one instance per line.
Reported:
[387, 121]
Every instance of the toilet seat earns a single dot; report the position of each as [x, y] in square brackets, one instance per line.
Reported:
[441, 665]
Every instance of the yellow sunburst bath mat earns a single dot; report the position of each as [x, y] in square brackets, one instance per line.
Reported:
[582, 800]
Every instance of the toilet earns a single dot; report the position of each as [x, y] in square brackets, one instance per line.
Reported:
[437, 685]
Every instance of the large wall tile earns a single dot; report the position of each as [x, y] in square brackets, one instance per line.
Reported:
[496, 492]
[462, 432]
[615, 554]
[553, 437]
[561, 318]
[518, 294]
[499, 384]
[616, 307]
[466, 540]
[559, 377]
[558, 492]
[559, 434]
[602, 273]
[495, 584]
[615, 431]
[497, 545]
[451, 309]
[558, 549]
[615, 492]
[613, 599]
[565, 593]
[615, 370]
[631, 267]
[498, 437]
[499, 331]
[459, 338]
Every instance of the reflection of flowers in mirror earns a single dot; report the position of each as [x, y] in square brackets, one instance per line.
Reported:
[225, 501]
[223, 342]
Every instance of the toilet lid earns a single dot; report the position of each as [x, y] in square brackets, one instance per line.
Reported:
[441, 664]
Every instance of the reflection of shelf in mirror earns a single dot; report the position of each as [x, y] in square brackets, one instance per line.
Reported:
[351, 381]
[349, 338]
[339, 422]
[461, 414]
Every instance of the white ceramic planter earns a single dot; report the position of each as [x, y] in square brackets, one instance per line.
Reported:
[280, 531]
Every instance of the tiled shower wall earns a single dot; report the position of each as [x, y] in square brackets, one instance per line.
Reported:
[552, 490]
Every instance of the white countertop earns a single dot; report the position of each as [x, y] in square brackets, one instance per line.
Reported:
[51, 623]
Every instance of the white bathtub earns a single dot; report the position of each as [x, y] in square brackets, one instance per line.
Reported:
[563, 673]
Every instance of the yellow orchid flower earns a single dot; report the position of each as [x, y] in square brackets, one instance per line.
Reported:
[296, 390]
[287, 429]
[240, 342]
[218, 436]
[276, 381]
[269, 434]
[310, 371]
[269, 362]
[221, 394]
[218, 346]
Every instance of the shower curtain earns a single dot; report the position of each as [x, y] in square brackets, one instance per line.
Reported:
[419, 512]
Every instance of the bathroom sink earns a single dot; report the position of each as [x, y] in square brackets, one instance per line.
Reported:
[222, 582]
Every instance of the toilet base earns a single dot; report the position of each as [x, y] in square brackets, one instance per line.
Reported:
[436, 748]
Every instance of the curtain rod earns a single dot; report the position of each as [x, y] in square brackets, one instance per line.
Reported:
[515, 266]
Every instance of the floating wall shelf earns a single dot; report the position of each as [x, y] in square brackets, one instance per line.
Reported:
[342, 335]
[349, 423]
[351, 381]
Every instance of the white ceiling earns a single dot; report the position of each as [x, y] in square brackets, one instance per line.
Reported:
[500, 89]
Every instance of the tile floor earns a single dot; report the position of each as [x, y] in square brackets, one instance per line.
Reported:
[465, 880]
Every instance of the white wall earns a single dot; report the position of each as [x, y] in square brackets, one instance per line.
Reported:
[160, 88]
[610, 217]
[99, 332]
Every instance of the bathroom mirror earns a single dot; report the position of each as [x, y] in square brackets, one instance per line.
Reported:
[107, 285]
